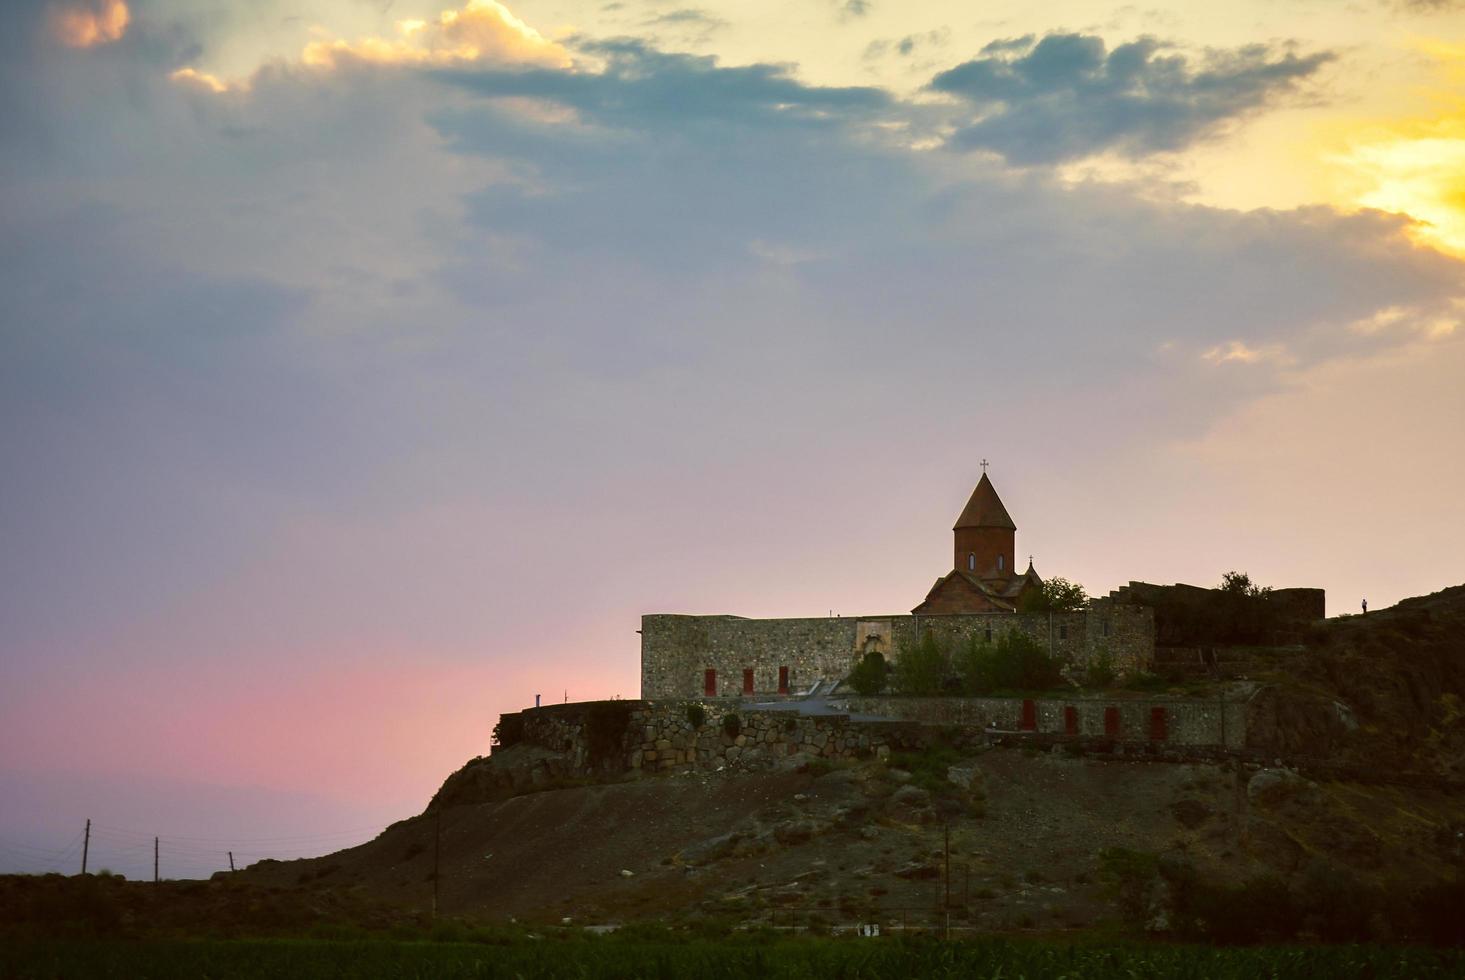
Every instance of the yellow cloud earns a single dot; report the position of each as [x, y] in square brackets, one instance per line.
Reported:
[203, 79]
[1414, 166]
[482, 30]
[91, 22]
[1418, 171]
[1237, 352]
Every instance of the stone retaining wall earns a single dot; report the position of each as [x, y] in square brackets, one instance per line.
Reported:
[1219, 722]
[659, 736]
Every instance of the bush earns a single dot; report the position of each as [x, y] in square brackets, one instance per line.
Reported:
[922, 667]
[508, 731]
[870, 674]
[696, 715]
[1130, 876]
[929, 767]
[731, 725]
[1014, 663]
[1100, 671]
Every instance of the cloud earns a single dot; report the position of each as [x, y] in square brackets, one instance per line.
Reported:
[1067, 96]
[87, 23]
[643, 88]
[688, 15]
[480, 31]
[906, 46]
[1238, 352]
[202, 79]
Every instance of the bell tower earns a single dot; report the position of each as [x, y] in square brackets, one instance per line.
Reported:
[985, 535]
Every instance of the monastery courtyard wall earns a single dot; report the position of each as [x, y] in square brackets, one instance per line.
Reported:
[681, 655]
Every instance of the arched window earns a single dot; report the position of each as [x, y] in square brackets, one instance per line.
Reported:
[971, 563]
[1001, 562]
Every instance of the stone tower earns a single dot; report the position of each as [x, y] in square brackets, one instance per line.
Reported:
[984, 535]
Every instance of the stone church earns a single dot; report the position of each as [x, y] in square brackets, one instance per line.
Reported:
[983, 576]
[978, 599]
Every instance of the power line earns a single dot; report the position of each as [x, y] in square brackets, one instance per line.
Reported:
[375, 828]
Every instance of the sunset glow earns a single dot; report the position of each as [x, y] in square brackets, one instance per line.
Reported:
[1422, 176]
[87, 24]
[482, 30]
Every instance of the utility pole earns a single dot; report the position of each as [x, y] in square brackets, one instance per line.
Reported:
[86, 843]
[155, 860]
[231, 862]
[437, 850]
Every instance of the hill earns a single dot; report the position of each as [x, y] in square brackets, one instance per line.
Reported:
[1360, 832]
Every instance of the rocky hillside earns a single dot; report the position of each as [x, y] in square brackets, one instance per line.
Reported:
[1016, 838]
[1400, 674]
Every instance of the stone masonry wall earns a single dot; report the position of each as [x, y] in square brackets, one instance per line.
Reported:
[677, 651]
[659, 736]
[1195, 722]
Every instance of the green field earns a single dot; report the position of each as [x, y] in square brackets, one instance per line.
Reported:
[850, 959]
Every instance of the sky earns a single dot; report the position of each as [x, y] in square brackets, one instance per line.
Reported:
[369, 367]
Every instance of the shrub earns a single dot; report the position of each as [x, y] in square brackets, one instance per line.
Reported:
[929, 767]
[508, 731]
[1100, 671]
[731, 725]
[1129, 875]
[921, 667]
[696, 715]
[1014, 662]
[870, 674]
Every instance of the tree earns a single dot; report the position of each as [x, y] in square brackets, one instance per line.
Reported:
[921, 668]
[1240, 583]
[870, 674]
[1016, 662]
[1056, 595]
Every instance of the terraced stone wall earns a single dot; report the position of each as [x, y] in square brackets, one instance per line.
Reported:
[661, 736]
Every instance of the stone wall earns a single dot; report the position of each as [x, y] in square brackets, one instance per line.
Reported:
[678, 651]
[660, 736]
[1195, 722]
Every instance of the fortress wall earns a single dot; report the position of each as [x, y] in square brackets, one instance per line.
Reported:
[1122, 633]
[676, 651]
[659, 736]
[1190, 722]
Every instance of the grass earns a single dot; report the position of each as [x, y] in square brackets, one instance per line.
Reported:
[669, 956]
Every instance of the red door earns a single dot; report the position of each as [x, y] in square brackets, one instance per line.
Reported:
[1158, 725]
[1111, 721]
[1070, 720]
[747, 680]
[783, 680]
[709, 683]
[1029, 715]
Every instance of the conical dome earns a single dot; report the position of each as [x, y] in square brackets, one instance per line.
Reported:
[984, 509]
